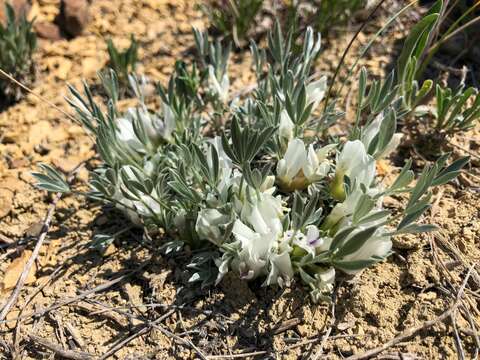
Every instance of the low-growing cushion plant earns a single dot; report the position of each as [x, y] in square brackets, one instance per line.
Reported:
[18, 42]
[251, 184]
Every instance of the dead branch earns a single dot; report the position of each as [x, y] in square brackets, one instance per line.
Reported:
[141, 332]
[93, 311]
[58, 350]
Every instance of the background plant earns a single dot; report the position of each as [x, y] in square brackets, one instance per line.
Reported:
[455, 17]
[455, 110]
[233, 18]
[18, 43]
[329, 13]
[123, 62]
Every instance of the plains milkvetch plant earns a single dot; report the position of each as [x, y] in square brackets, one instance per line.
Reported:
[249, 183]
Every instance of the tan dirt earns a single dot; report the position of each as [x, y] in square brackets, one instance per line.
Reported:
[236, 316]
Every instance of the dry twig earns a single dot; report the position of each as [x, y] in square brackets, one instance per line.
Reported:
[107, 314]
[30, 91]
[58, 350]
[141, 332]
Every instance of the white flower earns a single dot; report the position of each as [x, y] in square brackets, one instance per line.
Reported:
[372, 130]
[342, 210]
[311, 242]
[224, 162]
[208, 225]
[263, 250]
[300, 168]
[281, 270]
[267, 186]
[286, 126]
[218, 87]
[355, 163]
[327, 276]
[265, 215]
[254, 250]
[316, 91]
[323, 284]
[126, 134]
[155, 128]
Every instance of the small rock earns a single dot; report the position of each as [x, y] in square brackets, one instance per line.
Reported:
[15, 269]
[34, 229]
[11, 319]
[66, 164]
[21, 8]
[19, 163]
[12, 183]
[48, 31]
[101, 220]
[74, 16]
[6, 202]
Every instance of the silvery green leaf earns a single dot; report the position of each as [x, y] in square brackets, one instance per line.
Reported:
[450, 172]
[340, 237]
[173, 246]
[355, 242]
[373, 217]
[362, 208]
[101, 241]
[195, 277]
[412, 215]
[404, 178]
[416, 42]
[416, 229]
[51, 180]
[306, 278]
[356, 264]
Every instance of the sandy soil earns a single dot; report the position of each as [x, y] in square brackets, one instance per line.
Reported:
[418, 283]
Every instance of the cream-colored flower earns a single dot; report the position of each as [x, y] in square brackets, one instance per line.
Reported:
[219, 86]
[286, 126]
[301, 167]
[208, 225]
[372, 129]
[316, 91]
[355, 163]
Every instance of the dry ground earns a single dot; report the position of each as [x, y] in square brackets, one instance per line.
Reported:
[418, 283]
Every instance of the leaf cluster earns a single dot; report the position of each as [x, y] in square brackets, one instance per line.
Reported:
[18, 43]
